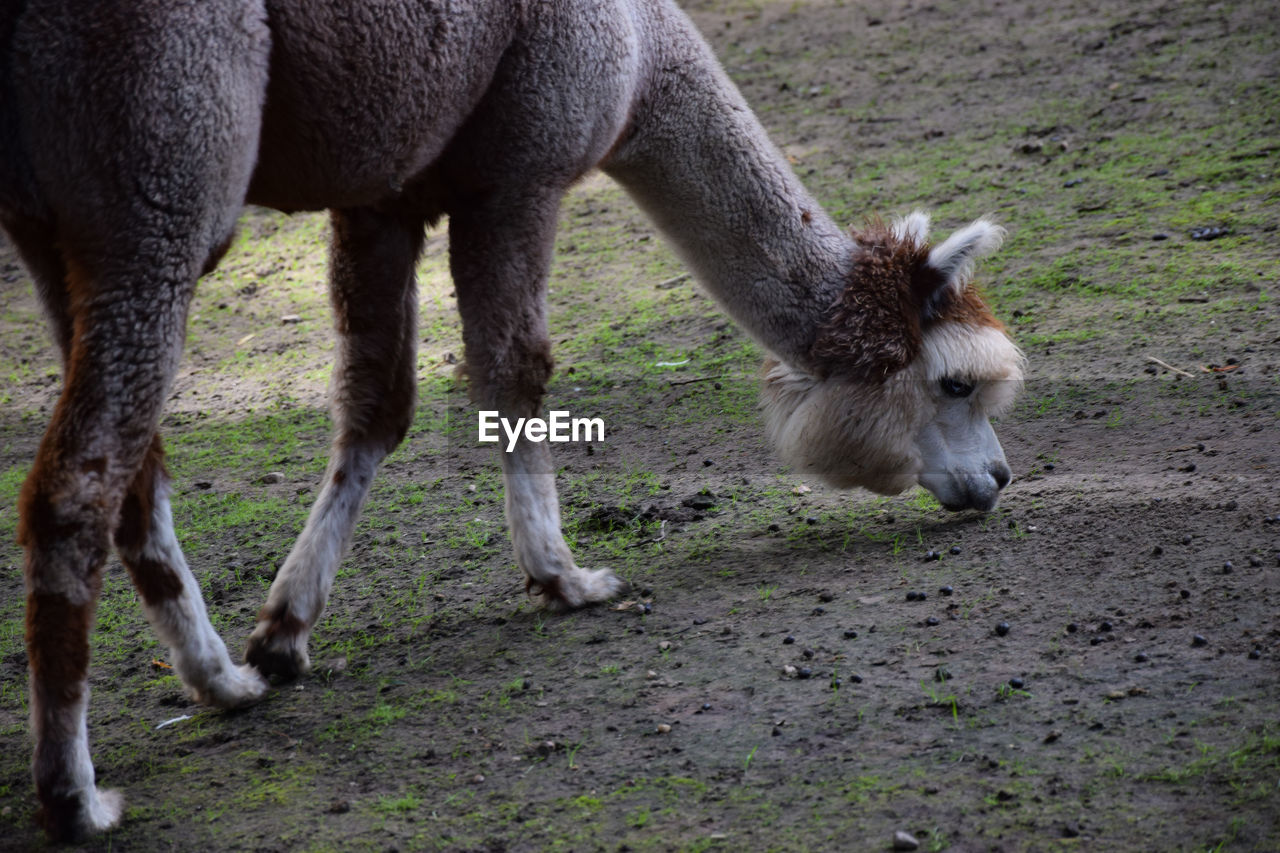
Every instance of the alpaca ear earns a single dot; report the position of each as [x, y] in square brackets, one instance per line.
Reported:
[913, 228]
[953, 259]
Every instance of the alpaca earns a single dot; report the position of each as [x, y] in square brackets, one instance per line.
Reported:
[132, 134]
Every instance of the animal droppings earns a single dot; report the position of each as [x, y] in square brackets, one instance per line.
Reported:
[1002, 629]
[1016, 683]
[946, 590]
[1198, 640]
[932, 621]
[850, 634]
[788, 640]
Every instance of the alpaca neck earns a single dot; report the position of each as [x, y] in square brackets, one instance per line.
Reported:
[698, 162]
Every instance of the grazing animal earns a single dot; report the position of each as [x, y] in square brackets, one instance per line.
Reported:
[133, 131]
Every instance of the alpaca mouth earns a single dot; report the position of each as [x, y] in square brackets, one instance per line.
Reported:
[958, 493]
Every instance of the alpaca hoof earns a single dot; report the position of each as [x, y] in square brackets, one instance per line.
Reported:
[277, 654]
[575, 588]
[79, 817]
[236, 687]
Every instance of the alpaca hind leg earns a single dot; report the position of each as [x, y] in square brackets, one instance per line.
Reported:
[123, 355]
[500, 252]
[145, 540]
[374, 380]
[141, 181]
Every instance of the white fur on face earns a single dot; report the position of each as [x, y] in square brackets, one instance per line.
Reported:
[847, 434]
[888, 437]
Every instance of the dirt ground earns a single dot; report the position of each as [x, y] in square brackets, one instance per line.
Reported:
[1093, 665]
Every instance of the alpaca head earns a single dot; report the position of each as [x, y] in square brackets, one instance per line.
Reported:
[904, 374]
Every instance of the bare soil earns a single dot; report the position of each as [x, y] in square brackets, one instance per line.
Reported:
[1092, 666]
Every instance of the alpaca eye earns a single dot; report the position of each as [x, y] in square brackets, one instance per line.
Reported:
[954, 387]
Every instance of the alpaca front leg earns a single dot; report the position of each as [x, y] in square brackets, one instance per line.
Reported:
[533, 514]
[278, 645]
[375, 306]
[500, 255]
[171, 597]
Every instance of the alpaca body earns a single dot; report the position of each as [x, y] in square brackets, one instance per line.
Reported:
[132, 133]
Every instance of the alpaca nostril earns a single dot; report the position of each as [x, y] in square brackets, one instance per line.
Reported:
[1001, 474]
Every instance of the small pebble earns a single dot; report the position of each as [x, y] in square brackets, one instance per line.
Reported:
[1209, 233]
[1198, 640]
[856, 679]
[1228, 568]
[663, 728]
[955, 549]
[1016, 683]
[804, 672]
[931, 621]
[1002, 629]
[706, 706]
[664, 646]
[1141, 657]
[905, 841]
[808, 653]
[946, 590]
[788, 640]
[1186, 540]
[1256, 654]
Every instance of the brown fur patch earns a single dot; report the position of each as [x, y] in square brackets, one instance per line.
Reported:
[339, 477]
[876, 327]
[549, 589]
[38, 521]
[892, 298]
[58, 642]
[969, 309]
[282, 623]
[155, 581]
[134, 526]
